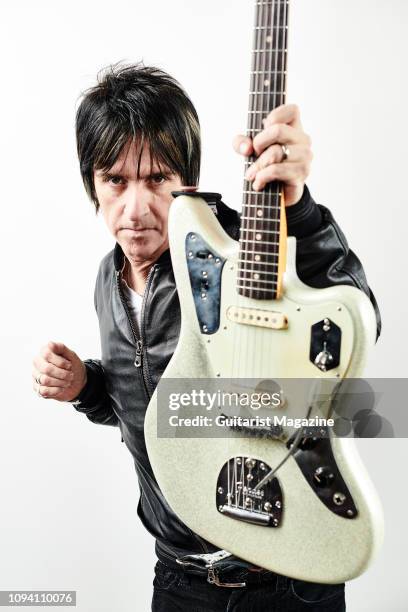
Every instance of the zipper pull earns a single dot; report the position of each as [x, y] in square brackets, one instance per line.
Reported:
[138, 358]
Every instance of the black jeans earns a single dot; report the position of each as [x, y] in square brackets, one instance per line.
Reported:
[177, 591]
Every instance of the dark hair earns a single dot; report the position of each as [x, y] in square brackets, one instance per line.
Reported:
[143, 104]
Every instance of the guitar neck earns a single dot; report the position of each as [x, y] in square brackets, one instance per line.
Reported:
[263, 226]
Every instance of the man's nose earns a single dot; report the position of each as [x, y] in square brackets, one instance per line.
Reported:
[137, 202]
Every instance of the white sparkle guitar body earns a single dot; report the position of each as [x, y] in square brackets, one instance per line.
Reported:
[311, 543]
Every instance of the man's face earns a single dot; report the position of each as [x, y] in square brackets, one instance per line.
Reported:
[136, 209]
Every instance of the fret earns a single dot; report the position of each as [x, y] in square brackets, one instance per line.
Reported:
[256, 242]
[261, 193]
[261, 207]
[274, 49]
[257, 280]
[262, 219]
[258, 113]
[268, 72]
[244, 229]
[267, 272]
[267, 223]
[258, 263]
[260, 252]
[274, 43]
[266, 91]
[267, 292]
[253, 284]
[276, 59]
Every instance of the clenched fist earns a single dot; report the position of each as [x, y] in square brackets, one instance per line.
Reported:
[58, 373]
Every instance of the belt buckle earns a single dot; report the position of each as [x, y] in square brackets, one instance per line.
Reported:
[212, 578]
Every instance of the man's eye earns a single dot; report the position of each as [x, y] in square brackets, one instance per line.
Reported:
[158, 179]
[114, 180]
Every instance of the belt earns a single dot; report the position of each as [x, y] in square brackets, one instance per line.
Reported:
[220, 568]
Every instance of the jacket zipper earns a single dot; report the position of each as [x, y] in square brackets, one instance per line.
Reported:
[143, 364]
[138, 362]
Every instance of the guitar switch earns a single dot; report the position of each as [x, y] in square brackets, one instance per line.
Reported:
[323, 359]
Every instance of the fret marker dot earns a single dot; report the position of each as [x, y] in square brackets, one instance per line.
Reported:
[256, 276]
[257, 258]
[269, 39]
[259, 212]
[258, 236]
[266, 83]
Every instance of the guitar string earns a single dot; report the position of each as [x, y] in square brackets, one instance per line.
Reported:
[276, 92]
[238, 354]
[240, 333]
[250, 215]
[276, 81]
[272, 87]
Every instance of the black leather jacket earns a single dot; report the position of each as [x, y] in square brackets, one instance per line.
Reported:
[120, 384]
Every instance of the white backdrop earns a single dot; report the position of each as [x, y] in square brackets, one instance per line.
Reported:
[68, 487]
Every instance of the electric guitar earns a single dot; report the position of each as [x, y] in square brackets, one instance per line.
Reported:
[282, 498]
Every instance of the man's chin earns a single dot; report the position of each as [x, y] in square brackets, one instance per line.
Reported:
[139, 252]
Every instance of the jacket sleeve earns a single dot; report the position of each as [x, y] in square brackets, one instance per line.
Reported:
[94, 400]
[323, 256]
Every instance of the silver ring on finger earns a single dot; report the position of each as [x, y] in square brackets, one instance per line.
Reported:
[38, 379]
[286, 152]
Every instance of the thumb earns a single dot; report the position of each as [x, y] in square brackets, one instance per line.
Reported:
[243, 145]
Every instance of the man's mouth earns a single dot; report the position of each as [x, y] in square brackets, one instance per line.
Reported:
[138, 229]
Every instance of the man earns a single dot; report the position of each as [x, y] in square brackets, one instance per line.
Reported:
[138, 140]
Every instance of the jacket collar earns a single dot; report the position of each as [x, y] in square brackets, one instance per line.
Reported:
[119, 258]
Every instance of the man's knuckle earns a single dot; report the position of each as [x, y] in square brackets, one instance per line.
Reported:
[272, 157]
[269, 173]
[301, 170]
[276, 131]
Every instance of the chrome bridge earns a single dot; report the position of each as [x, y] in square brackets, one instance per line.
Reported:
[239, 498]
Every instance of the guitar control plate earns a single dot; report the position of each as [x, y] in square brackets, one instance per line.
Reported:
[315, 458]
[238, 498]
[325, 345]
[204, 269]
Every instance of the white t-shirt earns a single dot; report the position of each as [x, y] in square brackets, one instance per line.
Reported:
[134, 301]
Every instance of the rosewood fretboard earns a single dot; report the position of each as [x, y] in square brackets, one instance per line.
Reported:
[261, 232]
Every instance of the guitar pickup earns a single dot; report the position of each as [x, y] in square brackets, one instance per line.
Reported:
[257, 317]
